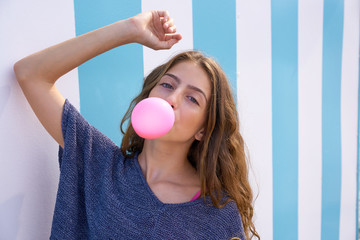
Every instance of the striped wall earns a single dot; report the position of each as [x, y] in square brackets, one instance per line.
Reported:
[286, 63]
[294, 68]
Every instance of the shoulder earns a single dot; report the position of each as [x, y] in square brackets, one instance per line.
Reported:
[229, 220]
[229, 213]
[83, 143]
[225, 220]
[79, 130]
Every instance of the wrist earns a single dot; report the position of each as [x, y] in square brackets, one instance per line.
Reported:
[131, 30]
[122, 32]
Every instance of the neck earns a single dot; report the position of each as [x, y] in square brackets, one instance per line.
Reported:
[164, 161]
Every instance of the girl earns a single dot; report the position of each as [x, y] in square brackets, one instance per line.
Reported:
[191, 183]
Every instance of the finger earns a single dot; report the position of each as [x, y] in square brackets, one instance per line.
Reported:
[170, 41]
[177, 37]
[163, 14]
[171, 29]
[168, 44]
[168, 23]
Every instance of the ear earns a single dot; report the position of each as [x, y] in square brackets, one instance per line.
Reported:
[199, 135]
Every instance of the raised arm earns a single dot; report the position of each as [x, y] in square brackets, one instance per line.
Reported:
[38, 72]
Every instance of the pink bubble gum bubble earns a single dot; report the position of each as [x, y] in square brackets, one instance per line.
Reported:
[152, 118]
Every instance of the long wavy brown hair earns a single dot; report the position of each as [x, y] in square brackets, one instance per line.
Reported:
[220, 155]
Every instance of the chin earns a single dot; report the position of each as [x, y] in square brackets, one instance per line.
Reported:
[176, 138]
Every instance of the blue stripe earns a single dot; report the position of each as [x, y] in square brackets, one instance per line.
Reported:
[331, 118]
[284, 47]
[358, 162]
[214, 32]
[108, 82]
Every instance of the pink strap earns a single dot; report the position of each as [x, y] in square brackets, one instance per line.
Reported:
[196, 196]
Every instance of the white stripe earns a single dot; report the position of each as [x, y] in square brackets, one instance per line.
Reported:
[254, 102]
[310, 92]
[181, 12]
[349, 113]
[29, 172]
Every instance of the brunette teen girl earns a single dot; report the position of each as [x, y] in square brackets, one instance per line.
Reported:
[191, 183]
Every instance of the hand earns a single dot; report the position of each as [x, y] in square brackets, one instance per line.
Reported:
[155, 29]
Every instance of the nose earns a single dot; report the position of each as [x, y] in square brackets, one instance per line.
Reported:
[173, 100]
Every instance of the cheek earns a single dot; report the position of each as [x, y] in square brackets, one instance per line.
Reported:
[193, 119]
[152, 92]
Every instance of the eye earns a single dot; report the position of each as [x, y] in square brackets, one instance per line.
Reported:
[192, 99]
[166, 85]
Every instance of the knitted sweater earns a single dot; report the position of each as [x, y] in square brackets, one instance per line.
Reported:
[103, 195]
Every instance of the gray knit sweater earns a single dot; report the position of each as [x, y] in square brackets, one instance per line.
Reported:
[103, 195]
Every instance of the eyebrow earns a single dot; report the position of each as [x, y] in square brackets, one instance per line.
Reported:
[178, 80]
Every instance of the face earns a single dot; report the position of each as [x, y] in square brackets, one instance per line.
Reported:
[186, 87]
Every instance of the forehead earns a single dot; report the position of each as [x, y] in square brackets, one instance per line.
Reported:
[192, 74]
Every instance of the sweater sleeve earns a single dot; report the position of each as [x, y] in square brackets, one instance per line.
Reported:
[81, 140]
[86, 162]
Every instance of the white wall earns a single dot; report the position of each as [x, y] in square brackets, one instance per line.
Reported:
[29, 167]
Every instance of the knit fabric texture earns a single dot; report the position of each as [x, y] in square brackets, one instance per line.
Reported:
[103, 195]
